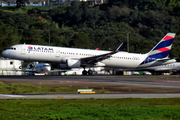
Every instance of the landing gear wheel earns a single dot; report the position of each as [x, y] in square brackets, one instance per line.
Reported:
[84, 72]
[90, 72]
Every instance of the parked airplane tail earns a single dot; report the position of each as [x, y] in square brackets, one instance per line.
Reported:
[161, 50]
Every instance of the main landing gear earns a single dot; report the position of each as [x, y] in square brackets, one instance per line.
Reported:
[85, 72]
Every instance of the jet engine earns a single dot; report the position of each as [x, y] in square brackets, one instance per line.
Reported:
[62, 66]
[30, 66]
[73, 63]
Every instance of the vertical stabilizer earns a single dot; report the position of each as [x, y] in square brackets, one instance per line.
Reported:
[161, 50]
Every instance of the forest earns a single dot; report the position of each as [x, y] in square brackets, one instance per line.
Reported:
[143, 22]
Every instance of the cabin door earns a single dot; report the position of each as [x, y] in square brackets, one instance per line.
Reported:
[23, 49]
[57, 52]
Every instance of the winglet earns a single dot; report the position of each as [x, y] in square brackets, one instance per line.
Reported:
[119, 48]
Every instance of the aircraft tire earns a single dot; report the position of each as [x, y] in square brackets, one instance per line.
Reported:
[84, 72]
[90, 72]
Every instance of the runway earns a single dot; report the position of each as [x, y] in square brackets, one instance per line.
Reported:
[89, 96]
[163, 81]
[125, 86]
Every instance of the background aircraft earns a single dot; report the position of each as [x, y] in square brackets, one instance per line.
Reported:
[39, 68]
[75, 58]
[172, 68]
[45, 68]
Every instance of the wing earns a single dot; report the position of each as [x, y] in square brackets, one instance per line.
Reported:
[36, 71]
[95, 59]
[33, 71]
[59, 70]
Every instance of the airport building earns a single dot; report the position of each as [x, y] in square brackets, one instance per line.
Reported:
[48, 2]
[9, 67]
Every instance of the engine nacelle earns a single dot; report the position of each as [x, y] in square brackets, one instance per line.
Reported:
[62, 66]
[30, 66]
[73, 63]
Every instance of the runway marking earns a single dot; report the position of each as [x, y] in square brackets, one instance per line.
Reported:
[11, 95]
[164, 81]
[71, 81]
[60, 96]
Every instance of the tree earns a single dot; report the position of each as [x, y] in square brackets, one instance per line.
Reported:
[81, 40]
[21, 3]
[34, 11]
[74, 13]
[118, 14]
[33, 36]
[92, 17]
[9, 36]
[117, 2]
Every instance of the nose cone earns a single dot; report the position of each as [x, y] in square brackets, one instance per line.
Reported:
[49, 68]
[4, 53]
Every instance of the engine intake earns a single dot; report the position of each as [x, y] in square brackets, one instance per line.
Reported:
[30, 66]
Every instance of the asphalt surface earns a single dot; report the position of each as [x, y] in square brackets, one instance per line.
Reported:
[171, 82]
[164, 81]
[89, 96]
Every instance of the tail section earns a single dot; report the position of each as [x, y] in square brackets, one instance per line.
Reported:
[161, 50]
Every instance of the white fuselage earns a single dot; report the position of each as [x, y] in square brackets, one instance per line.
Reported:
[42, 68]
[172, 66]
[61, 54]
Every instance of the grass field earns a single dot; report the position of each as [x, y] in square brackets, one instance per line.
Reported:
[20, 89]
[83, 109]
[31, 89]
[90, 109]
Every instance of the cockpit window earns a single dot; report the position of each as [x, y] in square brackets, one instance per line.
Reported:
[12, 48]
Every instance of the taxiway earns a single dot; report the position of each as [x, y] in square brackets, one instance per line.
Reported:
[123, 86]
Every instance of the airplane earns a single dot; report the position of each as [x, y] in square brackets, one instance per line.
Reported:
[76, 57]
[45, 68]
[39, 68]
[172, 68]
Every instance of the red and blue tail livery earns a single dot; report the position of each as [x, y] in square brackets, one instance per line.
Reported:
[161, 50]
